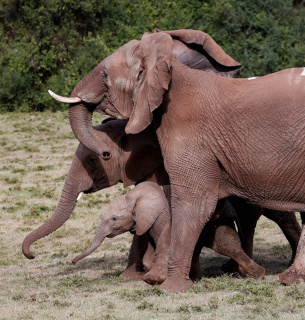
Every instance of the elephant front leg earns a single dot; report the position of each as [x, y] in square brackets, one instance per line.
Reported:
[296, 272]
[158, 272]
[187, 223]
[135, 269]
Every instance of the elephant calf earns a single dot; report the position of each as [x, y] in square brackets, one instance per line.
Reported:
[146, 209]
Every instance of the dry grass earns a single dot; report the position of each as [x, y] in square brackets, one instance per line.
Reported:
[35, 154]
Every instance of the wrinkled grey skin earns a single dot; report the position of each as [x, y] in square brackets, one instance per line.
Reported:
[132, 158]
[142, 210]
[145, 209]
[219, 137]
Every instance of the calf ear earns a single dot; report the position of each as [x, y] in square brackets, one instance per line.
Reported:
[198, 50]
[145, 215]
[141, 156]
[154, 75]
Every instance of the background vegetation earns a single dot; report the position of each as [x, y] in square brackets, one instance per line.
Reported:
[54, 43]
[37, 152]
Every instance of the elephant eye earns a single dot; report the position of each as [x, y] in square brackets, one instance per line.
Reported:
[114, 218]
[104, 74]
[140, 73]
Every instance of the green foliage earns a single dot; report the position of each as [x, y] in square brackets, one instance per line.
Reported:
[54, 43]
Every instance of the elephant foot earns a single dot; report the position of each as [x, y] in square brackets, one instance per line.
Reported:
[175, 284]
[156, 275]
[292, 275]
[256, 272]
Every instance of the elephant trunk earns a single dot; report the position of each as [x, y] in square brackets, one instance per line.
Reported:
[81, 123]
[99, 238]
[63, 211]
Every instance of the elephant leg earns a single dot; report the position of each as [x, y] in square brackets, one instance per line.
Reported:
[296, 272]
[289, 225]
[187, 223]
[247, 217]
[149, 257]
[202, 241]
[135, 269]
[227, 242]
[158, 272]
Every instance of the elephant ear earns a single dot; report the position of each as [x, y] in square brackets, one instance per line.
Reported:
[156, 54]
[198, 50]
[146, 212]
[141, 155]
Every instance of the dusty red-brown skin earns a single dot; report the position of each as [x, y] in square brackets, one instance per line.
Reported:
[219, 136]
[145, 209]
[138, 157]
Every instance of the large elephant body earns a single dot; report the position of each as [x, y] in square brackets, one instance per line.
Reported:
[219, 136]
[135, 158]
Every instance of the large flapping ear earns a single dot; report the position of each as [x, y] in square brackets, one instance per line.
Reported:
[156, 54]
[141, 155]
[198, 50]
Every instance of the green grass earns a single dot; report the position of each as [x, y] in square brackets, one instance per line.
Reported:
[36, 152]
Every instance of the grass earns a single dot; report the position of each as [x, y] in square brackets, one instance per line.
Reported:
[36, 152]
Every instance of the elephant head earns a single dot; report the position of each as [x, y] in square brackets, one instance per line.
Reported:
[136, 211]
[133, 158]
[136, 76]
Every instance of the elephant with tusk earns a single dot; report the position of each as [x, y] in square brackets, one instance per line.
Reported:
[135, 158]
[220, 137]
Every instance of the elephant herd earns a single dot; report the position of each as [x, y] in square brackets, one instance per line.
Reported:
[205, 150]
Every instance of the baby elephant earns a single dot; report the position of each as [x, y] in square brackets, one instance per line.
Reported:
[145, 209]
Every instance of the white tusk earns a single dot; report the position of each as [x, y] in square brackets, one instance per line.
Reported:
[79, 196]
[64, 99]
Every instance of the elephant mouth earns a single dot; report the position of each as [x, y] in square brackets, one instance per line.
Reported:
[116, 232]
[107, 107]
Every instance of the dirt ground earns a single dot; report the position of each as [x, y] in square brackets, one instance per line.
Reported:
[35, 154]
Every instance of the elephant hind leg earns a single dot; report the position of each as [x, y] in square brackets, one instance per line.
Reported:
[289, 225]
[227, 242]
[296, 272]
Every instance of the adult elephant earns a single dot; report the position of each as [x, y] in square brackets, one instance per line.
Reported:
[133, 158]
[219, 136]
[136, 158]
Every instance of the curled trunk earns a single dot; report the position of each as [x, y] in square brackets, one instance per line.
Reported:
[81, 123]
[63, 211]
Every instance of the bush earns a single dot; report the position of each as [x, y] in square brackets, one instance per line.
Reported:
[54, 43]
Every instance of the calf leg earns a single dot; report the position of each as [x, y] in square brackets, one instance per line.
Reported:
[135, 269]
